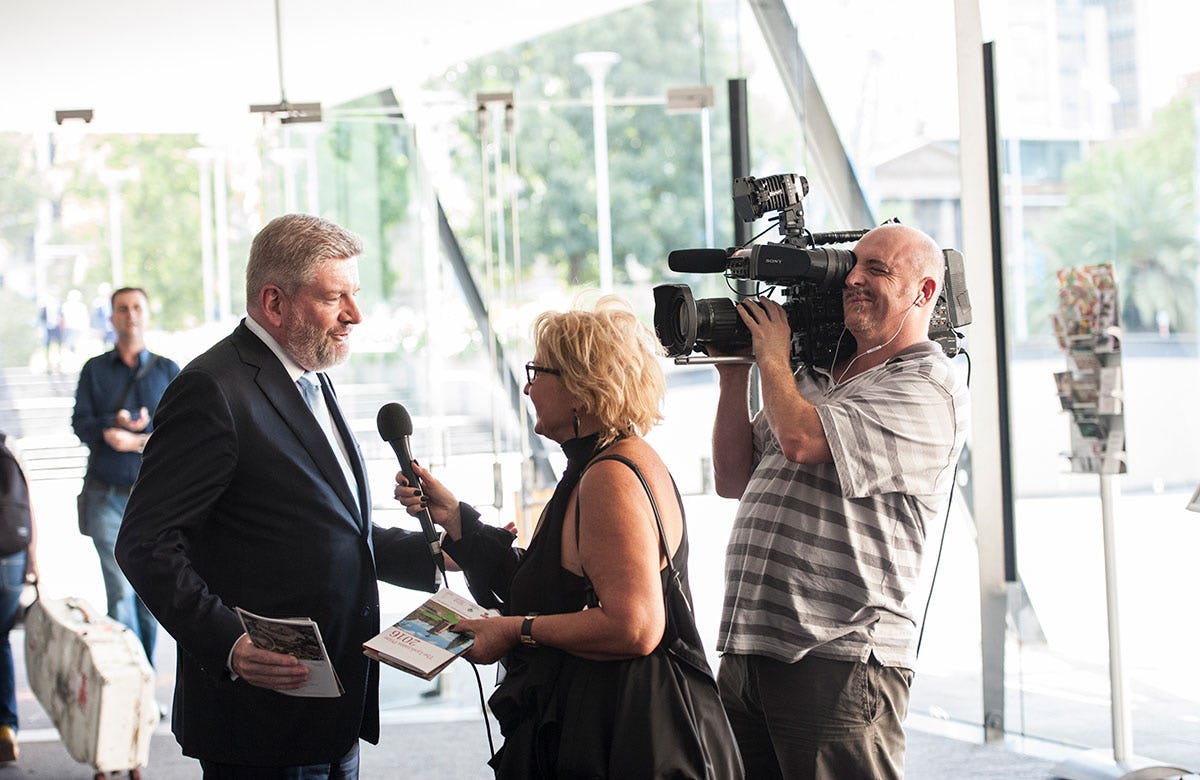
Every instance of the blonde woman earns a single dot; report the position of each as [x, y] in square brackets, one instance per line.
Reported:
[586, 599]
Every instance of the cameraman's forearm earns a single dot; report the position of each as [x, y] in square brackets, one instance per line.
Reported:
[733, 439]
[792, 419]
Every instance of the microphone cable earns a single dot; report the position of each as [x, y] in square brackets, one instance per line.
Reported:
[937, 561]
[487, 723]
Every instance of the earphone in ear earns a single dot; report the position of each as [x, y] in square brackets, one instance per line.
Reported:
[918, 300]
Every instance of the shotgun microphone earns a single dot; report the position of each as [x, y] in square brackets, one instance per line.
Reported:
[395, 426]
[698, 261]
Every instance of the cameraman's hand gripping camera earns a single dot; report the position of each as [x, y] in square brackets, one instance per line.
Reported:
[811, 276]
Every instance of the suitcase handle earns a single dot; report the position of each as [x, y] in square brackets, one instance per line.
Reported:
[79, 606]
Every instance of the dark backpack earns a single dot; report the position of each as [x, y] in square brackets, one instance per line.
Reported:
[16, 523]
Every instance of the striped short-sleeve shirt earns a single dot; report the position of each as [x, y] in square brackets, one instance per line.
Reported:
[826, 558]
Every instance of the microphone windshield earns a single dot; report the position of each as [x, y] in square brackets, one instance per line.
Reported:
[393, 422]
[698, 261]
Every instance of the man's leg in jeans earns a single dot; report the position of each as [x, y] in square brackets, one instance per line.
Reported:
[105, 510]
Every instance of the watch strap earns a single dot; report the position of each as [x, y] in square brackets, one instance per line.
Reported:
[527, 631]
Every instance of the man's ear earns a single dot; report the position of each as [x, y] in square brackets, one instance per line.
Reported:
[928, 290]
[272, 302]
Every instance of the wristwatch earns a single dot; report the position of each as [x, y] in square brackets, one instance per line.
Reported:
[527, 632]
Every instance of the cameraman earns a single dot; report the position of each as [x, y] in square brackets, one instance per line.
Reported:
[841, 477]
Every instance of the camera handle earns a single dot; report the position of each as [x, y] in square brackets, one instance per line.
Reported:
[704, 360]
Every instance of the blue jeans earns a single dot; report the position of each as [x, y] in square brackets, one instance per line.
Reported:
[105, 507]
[12, 579]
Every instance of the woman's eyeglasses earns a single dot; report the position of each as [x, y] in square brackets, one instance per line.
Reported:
[533, 369]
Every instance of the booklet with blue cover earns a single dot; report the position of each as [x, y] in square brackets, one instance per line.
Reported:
[422, 643]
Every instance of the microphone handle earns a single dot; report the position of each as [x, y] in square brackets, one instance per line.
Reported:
[424, 518]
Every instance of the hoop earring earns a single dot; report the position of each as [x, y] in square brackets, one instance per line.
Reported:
[575, 421]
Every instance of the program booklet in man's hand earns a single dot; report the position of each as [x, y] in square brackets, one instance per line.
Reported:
[299, 637]
[422, 643]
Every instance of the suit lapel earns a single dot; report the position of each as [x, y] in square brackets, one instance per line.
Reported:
[357, 464]
[283, 394]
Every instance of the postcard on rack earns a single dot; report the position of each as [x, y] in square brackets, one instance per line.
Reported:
[300, 637]
[422, 643]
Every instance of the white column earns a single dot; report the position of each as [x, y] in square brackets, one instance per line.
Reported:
[203, 159]
[113, 179]
[221, 218]
[597, 64]
[985, 402]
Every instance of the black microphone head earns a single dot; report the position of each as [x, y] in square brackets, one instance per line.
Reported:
[393, 422]
[698, 261]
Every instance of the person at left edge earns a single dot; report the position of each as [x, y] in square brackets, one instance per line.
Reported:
[245, 501]
[115, 400]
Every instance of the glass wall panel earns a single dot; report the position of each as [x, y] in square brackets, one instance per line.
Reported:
[1095, 117]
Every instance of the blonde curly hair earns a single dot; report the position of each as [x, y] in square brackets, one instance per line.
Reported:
[609, 360]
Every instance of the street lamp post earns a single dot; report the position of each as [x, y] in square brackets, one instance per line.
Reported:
[202, 156]
[597, 64]
[113, 179]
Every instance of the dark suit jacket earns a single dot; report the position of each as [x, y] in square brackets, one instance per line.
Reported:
[241, 502]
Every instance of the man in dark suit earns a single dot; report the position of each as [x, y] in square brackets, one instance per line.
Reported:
[247, 497]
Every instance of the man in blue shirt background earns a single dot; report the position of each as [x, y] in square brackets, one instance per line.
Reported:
[115, 400]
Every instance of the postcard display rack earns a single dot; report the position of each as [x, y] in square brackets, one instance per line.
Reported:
[1090, 391]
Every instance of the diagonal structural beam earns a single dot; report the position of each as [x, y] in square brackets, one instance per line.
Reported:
[510, 383]
[829, 166]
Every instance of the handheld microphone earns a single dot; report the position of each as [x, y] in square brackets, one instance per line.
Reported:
[698, 261]
[395, 426]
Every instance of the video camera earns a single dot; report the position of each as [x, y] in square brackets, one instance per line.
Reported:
[811, 275]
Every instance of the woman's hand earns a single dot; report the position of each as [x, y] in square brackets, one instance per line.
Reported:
[494, 636]
[431, 495]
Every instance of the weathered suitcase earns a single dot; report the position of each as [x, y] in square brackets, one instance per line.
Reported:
[91, 676]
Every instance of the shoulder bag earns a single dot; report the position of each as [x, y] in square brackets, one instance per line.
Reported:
[16, 522]
[667, 719]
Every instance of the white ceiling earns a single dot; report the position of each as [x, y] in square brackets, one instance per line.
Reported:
[197, 65]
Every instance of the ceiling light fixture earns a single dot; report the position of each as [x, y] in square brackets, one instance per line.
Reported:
[74, 113]
[288, 113]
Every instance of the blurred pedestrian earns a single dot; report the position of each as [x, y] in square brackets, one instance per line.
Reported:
[18, 564]
[116, 397]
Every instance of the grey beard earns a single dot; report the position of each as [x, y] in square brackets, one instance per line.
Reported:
[312, 349]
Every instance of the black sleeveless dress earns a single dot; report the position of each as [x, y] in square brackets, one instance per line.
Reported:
[556, 710]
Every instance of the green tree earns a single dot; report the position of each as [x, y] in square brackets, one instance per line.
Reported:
[655, 169]
[1130, 203]
[368, 167]
[161, 222]
[20, 188]
[160, 219]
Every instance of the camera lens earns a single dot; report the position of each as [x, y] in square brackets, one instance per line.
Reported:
[719, 324]
[681, 322]
[675, 318]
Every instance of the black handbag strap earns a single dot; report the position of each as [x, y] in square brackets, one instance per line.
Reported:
[136, 377]
[681, 639]
[662, 533]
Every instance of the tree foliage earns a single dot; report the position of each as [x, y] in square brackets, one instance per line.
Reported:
[1131, 203]
[655, 159]
[20, 188]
